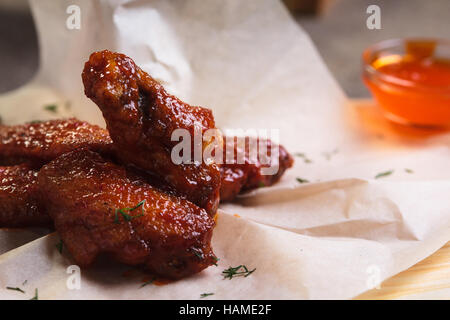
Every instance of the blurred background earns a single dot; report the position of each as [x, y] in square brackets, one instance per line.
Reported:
[337, 27]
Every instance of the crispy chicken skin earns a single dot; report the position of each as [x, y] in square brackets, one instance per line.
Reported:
[41, 142]
[19, 198]
[239, 177]
[141, 117]
[83, 191]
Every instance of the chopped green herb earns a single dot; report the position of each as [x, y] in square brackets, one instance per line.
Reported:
[261, 184]
[116, 217]
[60, 246]
[329, 155]
[138, 205]
[35, 121]
[204, 295]
[36, 296]
[239, 271]
[216, 260]
[51, 107]
[384, 174]
[126, 216]
[198, 253]
[300, 180]
[409, 171]
[303, 155]
[147, 282]
[15, 289]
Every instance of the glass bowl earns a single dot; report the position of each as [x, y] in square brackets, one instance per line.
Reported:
[410, 80]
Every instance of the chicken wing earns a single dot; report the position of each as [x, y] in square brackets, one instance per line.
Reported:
[239, 176]
[141, 117]
[41, 142]
[19, 198]
[100, 207]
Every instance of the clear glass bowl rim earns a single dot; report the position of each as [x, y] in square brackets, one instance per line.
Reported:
[374, 74]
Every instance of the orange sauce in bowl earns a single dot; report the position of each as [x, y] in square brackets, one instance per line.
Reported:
[413, 88]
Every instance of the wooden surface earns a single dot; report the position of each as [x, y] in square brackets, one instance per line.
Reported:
[429, 279]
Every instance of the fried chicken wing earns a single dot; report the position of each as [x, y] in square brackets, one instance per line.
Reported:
[100, 207]
[239, 176]
[41, 142]
[19, 198]
[141, 117]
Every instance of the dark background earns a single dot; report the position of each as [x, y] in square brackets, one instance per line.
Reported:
[338, 29]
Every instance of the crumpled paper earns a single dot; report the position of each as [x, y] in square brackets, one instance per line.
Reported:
[333, 237]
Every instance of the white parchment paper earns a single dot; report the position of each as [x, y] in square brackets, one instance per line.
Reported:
[248, 61]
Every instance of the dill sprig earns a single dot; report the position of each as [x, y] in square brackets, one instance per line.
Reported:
[330, 154]
[198, 253]
[239, 271]
[59, 246]
[125, 212]
[15, 289]
[301, 180]
[303, 156]
[36, 296]
[51, 107]
[384, 174]
[148, 282]
[204, 295]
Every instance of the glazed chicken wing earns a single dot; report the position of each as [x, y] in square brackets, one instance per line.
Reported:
[99, 207]
[247, 174]
[39, 143]
[19, 205]
[141, 117]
